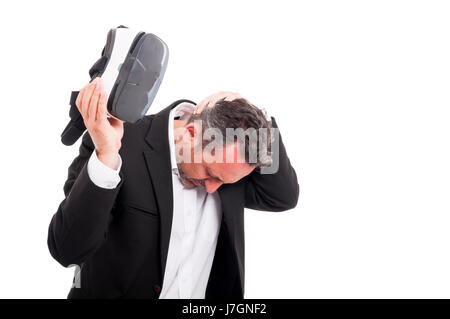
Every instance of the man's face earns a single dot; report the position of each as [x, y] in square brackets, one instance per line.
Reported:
[212, 174]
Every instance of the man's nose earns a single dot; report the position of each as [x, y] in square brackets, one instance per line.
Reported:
[212, 184]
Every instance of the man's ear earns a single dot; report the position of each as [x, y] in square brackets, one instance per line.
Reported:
[191, 129]
[195, 134]
[194, 130]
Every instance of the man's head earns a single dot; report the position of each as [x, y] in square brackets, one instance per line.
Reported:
[221, 142]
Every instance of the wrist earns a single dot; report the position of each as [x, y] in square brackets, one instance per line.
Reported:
[110, 159]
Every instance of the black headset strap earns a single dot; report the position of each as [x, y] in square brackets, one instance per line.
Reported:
[75, 127]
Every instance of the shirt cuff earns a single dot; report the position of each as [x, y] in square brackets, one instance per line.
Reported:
[102, 175]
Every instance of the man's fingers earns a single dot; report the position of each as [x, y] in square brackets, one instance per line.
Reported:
[211, 100]
[79, 99]
[233, 96]
[94, 104]
[87, 99]
[101, 109]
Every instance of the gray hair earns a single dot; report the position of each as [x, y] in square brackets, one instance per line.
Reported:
[242, 116]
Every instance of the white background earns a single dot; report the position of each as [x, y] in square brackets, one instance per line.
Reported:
[360, 90]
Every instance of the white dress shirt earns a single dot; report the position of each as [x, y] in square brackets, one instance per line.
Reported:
[195, 225]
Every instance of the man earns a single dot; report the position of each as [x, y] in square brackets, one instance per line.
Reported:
[142, 219]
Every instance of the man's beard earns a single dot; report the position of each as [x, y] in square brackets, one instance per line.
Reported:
[187, 181]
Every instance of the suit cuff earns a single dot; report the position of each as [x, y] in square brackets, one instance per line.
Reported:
[102, 175]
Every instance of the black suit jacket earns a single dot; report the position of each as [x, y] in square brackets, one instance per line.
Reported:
[120, 237]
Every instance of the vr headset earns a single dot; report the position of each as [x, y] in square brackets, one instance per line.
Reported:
[132, 66]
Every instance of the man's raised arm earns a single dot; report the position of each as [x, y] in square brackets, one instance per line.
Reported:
[273, 192]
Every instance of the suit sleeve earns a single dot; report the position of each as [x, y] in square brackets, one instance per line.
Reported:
[273, 192]
[79, 227]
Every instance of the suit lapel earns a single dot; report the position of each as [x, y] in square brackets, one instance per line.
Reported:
[157, 158]
[228, 216]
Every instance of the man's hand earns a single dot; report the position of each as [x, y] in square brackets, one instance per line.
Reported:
[211, 100]
[106, 133]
